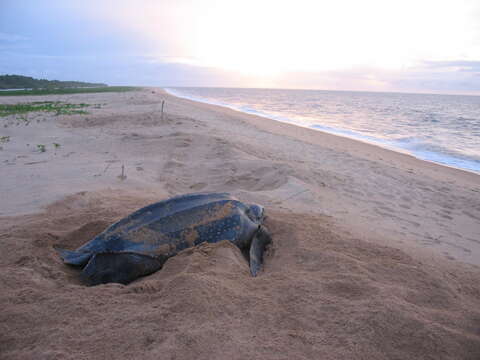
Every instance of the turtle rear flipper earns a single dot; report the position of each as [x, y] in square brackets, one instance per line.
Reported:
[259, 243]
[119, 267]
[76, 258]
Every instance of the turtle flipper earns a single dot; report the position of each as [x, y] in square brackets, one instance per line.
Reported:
[119, 267]
[259, 243]
[70, 257]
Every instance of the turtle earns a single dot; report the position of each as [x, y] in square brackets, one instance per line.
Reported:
[141, 243]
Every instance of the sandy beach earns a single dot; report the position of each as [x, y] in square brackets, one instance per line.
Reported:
[376, 254]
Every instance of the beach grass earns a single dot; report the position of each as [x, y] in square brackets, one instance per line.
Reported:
[68, 91]
[57, 107]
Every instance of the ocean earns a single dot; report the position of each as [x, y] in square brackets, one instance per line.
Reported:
[441, 128]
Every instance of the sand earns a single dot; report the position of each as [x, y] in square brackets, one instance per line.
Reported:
[376, 254]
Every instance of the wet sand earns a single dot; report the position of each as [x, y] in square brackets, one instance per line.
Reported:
[376, 254]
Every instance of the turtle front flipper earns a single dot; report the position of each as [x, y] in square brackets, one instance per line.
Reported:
[120, 267]
[259, 243]
[76, 258]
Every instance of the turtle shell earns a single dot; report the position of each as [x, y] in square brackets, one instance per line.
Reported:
[164, 228]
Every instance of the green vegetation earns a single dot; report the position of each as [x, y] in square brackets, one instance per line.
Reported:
[56, 145]
[41, 148]
[26, 82]
[68, 91]
[4, 139]
[58, 107]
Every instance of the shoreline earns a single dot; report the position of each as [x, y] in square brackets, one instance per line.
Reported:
[335, 132]
[258, 119]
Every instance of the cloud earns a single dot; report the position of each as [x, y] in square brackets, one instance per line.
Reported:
[452, 76]
[460, 76]
[436, 77]
[455, 65]
[5, 37]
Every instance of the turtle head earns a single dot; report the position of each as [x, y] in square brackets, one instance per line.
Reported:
[256, 213]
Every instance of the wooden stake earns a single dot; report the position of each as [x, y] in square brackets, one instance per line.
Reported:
[122, 176]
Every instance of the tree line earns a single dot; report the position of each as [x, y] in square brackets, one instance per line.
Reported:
[26, 82]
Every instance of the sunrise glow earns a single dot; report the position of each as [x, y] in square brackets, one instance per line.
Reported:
[274, 37]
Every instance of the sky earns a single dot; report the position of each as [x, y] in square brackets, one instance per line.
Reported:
[428, 46]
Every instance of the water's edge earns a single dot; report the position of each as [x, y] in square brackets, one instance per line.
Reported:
[431, 157]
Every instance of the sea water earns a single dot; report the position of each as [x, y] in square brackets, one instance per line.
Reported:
[441, 128]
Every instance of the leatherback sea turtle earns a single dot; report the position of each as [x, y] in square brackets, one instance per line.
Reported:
[140, 243]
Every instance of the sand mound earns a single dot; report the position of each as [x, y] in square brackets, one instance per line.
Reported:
[322, 295]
